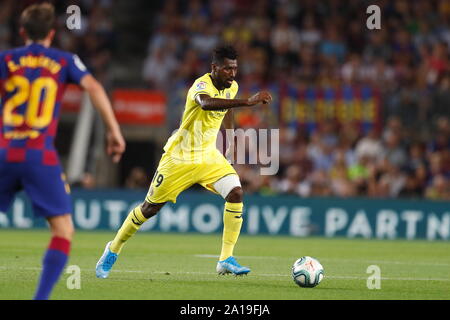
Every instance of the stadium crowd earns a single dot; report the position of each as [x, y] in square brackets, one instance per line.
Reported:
[93, 41]
[328, 43]
[303, 42]
[344, 163]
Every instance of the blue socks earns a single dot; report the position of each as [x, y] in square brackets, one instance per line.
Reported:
[53, 264]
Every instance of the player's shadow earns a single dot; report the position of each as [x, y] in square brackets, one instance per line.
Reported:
[290, 286]
[134, 279]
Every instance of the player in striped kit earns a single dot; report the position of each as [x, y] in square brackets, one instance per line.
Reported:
[32, 82]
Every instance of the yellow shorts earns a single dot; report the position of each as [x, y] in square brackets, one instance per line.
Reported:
[174, 176]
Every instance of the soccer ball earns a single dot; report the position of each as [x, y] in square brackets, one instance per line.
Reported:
[307, 272]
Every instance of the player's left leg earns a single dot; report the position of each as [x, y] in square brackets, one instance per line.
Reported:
[9, 184]
[49, 194]
[220, 177]
[57, 254]
[232, 223]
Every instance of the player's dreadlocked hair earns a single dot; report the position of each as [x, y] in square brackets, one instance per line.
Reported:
[38, 20]
[222, 52]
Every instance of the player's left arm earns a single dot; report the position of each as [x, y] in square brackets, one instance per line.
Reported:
[228, 120]
[228, 123]
[115, 141]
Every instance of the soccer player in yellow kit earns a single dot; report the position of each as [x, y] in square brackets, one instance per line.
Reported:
[191, 157]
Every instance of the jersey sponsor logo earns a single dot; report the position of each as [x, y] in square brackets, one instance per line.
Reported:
[200, 86]
[218, 113]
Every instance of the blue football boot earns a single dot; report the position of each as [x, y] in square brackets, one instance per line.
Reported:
[230, 265]
[105, 263]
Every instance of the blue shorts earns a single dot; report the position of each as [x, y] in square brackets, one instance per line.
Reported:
[45, 186]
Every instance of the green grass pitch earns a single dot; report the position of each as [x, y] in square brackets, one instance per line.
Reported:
[182, 267]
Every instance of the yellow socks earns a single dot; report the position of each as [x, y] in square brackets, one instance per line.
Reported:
[129, 227]
[232, 222]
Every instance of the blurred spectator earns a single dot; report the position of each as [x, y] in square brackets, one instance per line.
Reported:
[320, 152]
[392, 181]
[137, 179]
[284, 37]
[5, 29]
[332, 47]
[359, 173]
[351, 71]
[309, 33]
[393, 150]
[158, 68]
[436, 64]
[378, 46]
[320, 184]
[87, 181]
[439, 189]
[370, 146]
[341, 185]
[412, 188]
[294, 182]
[416, 157]
[250, 179]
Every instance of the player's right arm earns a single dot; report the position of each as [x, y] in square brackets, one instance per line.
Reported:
[208, 103]
[115, 141]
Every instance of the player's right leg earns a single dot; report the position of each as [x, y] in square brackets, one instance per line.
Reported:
[170, 179]
[130, 226]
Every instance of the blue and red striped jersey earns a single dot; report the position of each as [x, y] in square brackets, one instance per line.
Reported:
[32, 83]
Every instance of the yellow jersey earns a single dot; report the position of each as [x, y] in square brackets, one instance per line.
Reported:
[196, 137]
